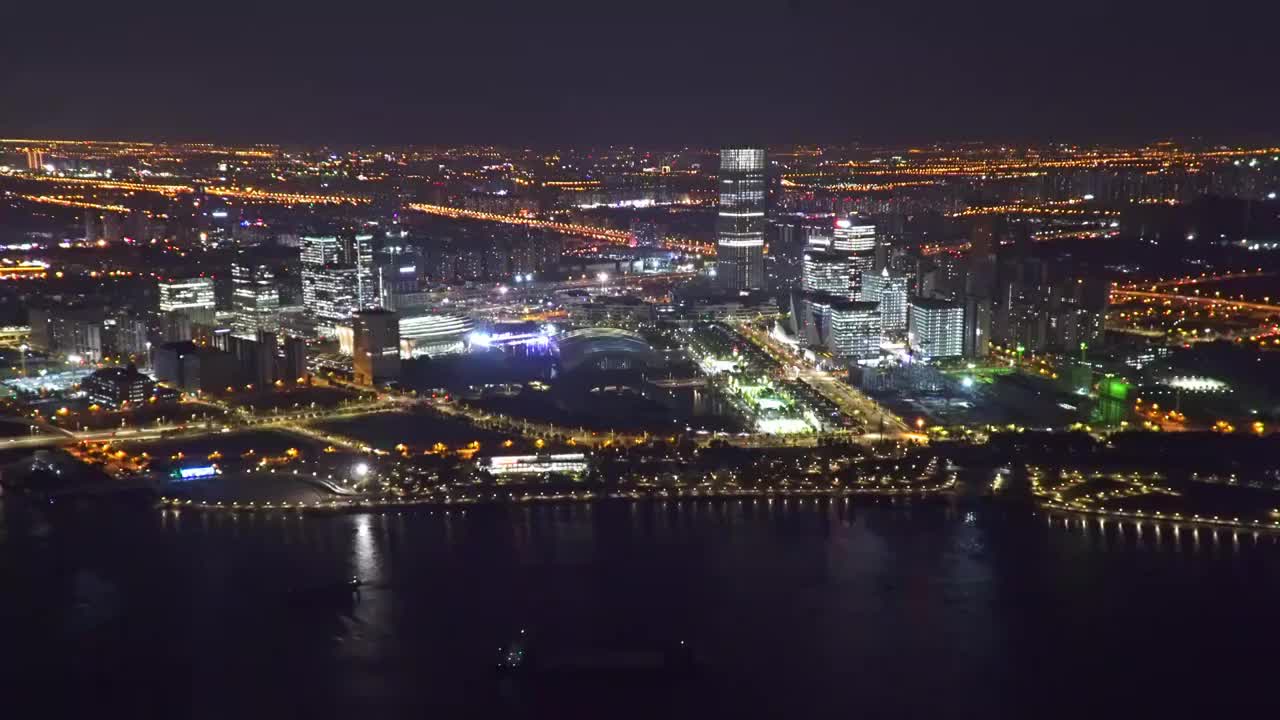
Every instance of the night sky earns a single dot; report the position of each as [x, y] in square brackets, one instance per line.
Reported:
[644, 72]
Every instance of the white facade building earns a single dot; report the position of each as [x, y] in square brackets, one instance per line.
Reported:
[935, 328]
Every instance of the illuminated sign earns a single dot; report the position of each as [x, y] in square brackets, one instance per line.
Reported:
[194, 473]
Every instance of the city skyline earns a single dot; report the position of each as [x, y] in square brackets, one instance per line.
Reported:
[545, 362]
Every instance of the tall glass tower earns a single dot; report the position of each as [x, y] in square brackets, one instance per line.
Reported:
[740, 224]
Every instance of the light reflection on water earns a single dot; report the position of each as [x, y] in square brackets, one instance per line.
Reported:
[365, 551]
[789, 598]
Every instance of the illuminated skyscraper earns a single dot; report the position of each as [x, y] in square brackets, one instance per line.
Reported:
[192, 297]
[338, 278]
[891, 292]
[857, 240]
[741, 222]
[827, 272]
[849, 330]
[255, 300]
[936, 328]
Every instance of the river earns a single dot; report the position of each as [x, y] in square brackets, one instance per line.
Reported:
[795, 608]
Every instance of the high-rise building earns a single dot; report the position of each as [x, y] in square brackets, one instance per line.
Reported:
[333, 292]
[255, 299]
[338, 278]
[935, 327]
[856, 331]
[376, 356]
[849, 329]
[35, 159]
[891, 292]
[320, 249]
[853, 235]
[741, 219]
[361, 256]
[827, 272]
[194, 297]
[857, 240]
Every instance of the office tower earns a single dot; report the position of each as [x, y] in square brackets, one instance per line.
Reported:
[853, 235]
[338, 278]
[935, 328]
[856, 239]
[741, 219]
[977, 326]
[361, 256]
[255, 300]
[319, 249]
[849, 329]
[295, 360]
[334, 294]
[891, 292]
[827, 272]
[321, 296]
[194, 297]
[855, 330]
[376, 351]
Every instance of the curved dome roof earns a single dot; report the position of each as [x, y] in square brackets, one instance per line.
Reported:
[603, 349]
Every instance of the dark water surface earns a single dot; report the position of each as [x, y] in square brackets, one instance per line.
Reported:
[796, 609]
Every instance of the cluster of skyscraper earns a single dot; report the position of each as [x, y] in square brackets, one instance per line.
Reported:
[339, 289]
[337, 278]
[853, 293]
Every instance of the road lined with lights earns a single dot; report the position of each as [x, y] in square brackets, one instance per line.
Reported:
[851, 402]
[1198, 299]
[617, 237]
[1203, 278]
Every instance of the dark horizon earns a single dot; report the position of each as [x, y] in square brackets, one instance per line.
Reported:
[788, 73]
